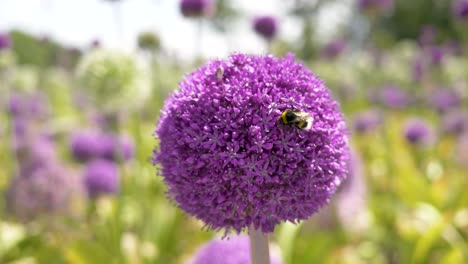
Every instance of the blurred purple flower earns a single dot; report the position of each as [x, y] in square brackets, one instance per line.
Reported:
[455, 122]
[101, 177]
[235, 250]
[35, 152]
[436, 54]
[44, 192]
[394, 97]
[444, 99]
[197, 8]
[234, 164]
[5, 41]
[367, 121]
[96, 43]
[427, 36]
[333, 49]
[29, 106]
[460, 8]
[266, 26]
[375, 6]
[118, 149]
[88, 145]
[418, 132]
[419, 69]
[351, 200]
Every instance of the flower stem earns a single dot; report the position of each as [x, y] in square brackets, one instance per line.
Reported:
[259, 251]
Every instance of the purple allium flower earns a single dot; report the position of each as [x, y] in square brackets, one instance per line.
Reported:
[28, 106]
[44, 192]
[444, 99]
[96, 43]
[235, 250]
[88, 145]
[34, 153]
[367, 121]
[196, 8]
[375, 6]
[436, 54]
[419, 69]
[101, 177]
[266, 26]
[333, 49]
[460, 8]
[233, 164]
[455, 122]
[427, 36]
[418, 132]
[394, 97]
[5, 41]
[351, 200]
[117, 149]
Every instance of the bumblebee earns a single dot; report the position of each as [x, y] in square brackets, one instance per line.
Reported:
[220, 73]
[300, 119]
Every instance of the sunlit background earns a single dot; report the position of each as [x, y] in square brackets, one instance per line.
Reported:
[81, 88]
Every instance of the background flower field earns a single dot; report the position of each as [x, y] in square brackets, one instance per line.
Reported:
[78, 185]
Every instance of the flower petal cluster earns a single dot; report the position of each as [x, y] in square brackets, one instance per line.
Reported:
[101, 177]
[197, 8]
[228, 160]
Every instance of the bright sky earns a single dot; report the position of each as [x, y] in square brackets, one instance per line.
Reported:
[79, 22]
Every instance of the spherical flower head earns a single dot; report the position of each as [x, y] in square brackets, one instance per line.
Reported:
[45, 192]
[418, 132]
[394, 97]
[88, 145]
[229, 161]
[367, 121]
[460, 9]
[36, 152]
[375, 6]
[266, 26]
[27, 105]
[455, 122]
[444, 99]
[101, 177]
[235, 250]
[436, 54]
[5, 41]
[148, 41]
[333, 49]
[114, 80]
[117, 148]
[197, 8]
